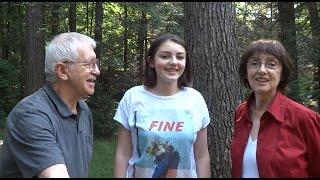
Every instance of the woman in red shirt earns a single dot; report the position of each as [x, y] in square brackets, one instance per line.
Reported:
[273, 135]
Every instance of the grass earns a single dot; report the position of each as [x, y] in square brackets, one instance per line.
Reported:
[102, 159]
[102, 163]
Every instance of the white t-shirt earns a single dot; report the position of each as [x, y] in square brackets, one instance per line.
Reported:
[163, 130]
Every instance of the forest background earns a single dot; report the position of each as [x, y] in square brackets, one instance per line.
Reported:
[216, 34]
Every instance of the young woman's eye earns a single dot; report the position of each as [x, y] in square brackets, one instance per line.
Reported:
[164, 57]
[181, 57]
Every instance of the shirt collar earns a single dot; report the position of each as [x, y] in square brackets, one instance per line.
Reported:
[275, 108]
[62, 108]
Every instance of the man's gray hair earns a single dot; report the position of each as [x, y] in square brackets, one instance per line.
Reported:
[63, 47]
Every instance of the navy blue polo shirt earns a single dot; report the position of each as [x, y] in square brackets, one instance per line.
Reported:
[42, 131]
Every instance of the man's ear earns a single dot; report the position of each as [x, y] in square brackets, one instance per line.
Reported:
[61, 71]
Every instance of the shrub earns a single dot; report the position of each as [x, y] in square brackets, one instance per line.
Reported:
[9, 89]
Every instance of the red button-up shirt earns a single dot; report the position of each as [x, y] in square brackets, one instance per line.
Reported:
[288, 143]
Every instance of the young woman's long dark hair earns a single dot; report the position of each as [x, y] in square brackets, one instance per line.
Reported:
[150, 76]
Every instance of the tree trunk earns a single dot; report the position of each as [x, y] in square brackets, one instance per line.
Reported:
[125, 38]
[288, 33]
[211, 41]
[141, 39]
[22, 51]
[91, 21]
[87, 16]
[34, 64]
[98, 28]
[73, 16]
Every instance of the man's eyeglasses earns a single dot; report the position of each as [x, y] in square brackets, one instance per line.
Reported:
[269, 65]
[91, 64]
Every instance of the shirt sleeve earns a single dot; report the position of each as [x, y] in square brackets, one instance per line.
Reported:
[310, 127]
[122, 113]
[203, 110]
[33, 145]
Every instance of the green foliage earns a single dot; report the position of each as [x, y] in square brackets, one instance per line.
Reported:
[103, 108]
[2, 133]
[302, 90]
[108, 91]
[9, 89]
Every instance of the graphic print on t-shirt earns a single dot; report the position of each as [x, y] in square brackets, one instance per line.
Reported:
[165, 140]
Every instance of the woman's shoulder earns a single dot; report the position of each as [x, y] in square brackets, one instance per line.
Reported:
[135, 89]
[192, 91]
[298, 109]
[241, 107]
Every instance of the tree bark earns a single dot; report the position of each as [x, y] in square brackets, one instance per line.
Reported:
[288, 33]
[73, 17]
[125, 38]
[34, 74]
[211, 41]
[98, 27]
[141, 39]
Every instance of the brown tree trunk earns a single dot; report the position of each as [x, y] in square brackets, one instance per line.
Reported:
[98, 28]
[91, 20]
[141, 39]
[34, 64]
[73, 16]
[87, 16]
[211, 41]
[288, 33]
[22, 51]
[125, 38]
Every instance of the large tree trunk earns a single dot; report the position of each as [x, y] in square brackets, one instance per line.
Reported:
[288, 33]
[98, 27]
[34, 64]
[73, 16]
[210, 36]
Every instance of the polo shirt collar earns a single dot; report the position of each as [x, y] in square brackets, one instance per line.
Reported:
[62, 108]
[275, 108]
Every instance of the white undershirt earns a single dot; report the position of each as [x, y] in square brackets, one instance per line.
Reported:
[249, 166]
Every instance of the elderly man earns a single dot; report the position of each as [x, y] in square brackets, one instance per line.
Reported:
[50, 133]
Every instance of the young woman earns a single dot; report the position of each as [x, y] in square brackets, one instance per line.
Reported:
[162, 131]
[273, 136]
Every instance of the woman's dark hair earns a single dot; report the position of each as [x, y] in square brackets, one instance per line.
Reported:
[272, 47]
[150, 76]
